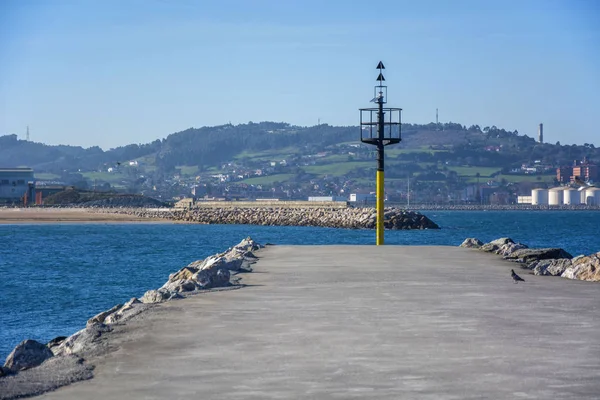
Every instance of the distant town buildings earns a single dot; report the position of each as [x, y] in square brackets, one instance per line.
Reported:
[582, 170]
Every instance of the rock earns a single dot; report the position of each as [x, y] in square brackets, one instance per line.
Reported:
[472, 243]
[29, 353]
[3, 372]
[50, 375]
[55, 342]
[82, 340]
[184, 273]
[184, 285]
[509, 248]
[553, 267]
[528, 256]
[248, 244]
[222, 277]
[156, 296]
[585, 268]
[130, 309]
[99, 318]
[204, 279]
[494, 245]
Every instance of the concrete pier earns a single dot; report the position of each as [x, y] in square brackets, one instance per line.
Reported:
[362, 322]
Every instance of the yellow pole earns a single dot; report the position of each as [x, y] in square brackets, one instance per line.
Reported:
[379, 208]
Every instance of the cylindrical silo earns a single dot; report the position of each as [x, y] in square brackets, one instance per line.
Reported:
[571, 196]
[555, 196]
[539, 197]
[592, 196]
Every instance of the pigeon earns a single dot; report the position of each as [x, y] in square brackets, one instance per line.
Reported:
[516, 277]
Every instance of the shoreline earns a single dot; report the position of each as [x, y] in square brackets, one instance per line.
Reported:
[34, 368]
[21, 216]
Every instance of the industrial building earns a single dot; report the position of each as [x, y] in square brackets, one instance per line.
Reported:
[15, 183]
[584, 171]
[559, 196]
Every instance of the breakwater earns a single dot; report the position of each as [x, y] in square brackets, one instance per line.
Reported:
[503, 207]
[33, 368]
[551, 261]
[286, 215]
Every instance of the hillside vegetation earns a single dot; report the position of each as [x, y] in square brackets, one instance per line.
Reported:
[279, 157]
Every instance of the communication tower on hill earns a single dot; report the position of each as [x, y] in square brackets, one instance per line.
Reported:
[380, 127]
[27, 134]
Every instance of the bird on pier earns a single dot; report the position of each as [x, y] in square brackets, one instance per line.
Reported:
[516, 277]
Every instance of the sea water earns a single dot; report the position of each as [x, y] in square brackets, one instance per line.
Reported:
[53, 277]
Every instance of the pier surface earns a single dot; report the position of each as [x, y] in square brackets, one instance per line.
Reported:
[363, 322]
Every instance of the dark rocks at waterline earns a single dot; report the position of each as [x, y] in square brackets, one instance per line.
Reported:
[547, 261]
[352, 218]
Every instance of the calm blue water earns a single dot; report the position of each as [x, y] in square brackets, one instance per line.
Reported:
[54, 277]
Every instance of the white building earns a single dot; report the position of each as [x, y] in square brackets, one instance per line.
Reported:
[327, 198]
[363, 197]
[523, 199]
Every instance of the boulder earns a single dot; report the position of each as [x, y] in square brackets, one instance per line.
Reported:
[130, 309]
[553, 267]
[156, 296]
[183, 285]
[472, 243]
[222, 277]
[100, 317]
[248, 244]
[228, 261]
[528, 256]
[509, 248]
[82, 340]
[495, 244]
[204, 279]
[585, 268]
[184, 273]
[3, 372]
[29, 353]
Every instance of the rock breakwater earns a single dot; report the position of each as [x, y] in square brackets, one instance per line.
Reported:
[352, 218]
[547, 261]
[33, 367]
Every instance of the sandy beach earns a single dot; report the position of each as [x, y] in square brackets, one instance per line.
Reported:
[68, 215]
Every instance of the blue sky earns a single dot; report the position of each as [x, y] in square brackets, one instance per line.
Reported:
[110, 73]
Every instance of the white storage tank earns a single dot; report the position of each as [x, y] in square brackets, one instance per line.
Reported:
[539, 197]
[555, 196]
[592, 196]
[572, 196]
